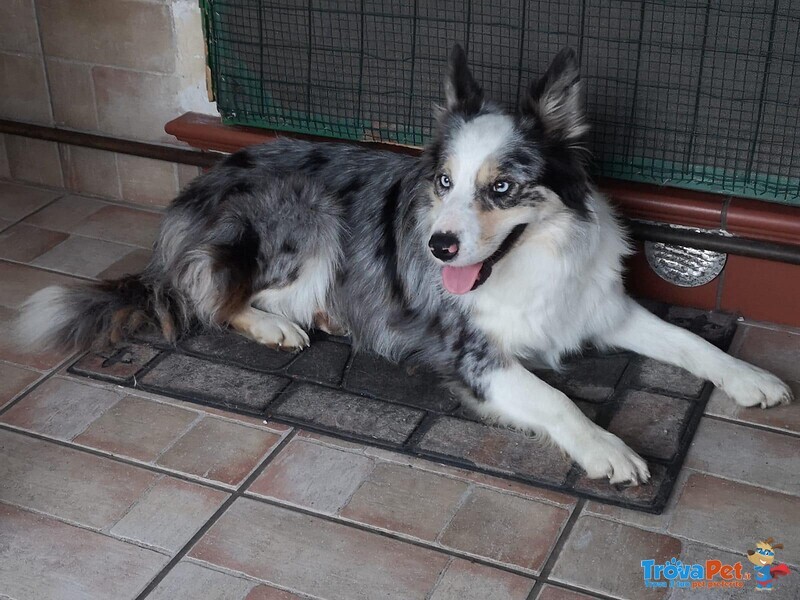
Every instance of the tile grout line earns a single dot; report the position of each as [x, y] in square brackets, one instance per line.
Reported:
[195, 422]
[119, 459]
[21, 220]
[427, 545]
[590, 594]
[665, 532]
[544, 572]
[302, 595]
[468, 490]
[104, 532]
[25, 393]
[136, 502]
[444, 570]
[81, 278]
[236, 494]
[331, 518]
[757, 426]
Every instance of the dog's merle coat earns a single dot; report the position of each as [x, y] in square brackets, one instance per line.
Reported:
[290, 234]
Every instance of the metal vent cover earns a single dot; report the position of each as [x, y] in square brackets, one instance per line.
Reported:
[684, 266]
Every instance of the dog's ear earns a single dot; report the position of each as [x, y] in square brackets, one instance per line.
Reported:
[462, 93]
[557, 100]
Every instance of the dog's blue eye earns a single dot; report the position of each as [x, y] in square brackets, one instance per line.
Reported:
[501, 187]
[444, 181]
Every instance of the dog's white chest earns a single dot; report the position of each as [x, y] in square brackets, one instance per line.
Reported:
[544, 308]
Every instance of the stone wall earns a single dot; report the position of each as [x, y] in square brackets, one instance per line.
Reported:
[114, 67]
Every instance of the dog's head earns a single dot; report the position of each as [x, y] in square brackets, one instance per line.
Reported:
[764, 554]
[495, 175]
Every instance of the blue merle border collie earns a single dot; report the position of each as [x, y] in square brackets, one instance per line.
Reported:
[491, 247]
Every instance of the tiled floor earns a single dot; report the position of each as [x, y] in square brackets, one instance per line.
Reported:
[109, 493]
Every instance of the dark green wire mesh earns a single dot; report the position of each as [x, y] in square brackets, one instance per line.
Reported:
[695, 94]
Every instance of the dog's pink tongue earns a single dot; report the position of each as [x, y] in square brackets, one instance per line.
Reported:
[460, 280]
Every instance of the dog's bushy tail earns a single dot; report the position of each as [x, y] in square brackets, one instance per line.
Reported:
[83, 316]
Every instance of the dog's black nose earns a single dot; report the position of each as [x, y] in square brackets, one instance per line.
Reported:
[444, 246]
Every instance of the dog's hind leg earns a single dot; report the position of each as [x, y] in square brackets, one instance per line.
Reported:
[646, 334]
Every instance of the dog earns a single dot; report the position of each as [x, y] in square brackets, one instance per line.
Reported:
[491, 246]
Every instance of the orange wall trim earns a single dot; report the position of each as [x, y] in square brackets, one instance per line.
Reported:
[755, 288]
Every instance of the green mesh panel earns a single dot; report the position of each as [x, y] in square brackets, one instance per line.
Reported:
[702, 95]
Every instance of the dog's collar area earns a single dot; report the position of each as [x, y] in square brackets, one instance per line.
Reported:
[504, 249]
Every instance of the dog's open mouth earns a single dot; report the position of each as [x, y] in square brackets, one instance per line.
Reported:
[460, 280]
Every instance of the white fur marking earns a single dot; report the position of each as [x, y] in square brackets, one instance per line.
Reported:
[518, 398]
[270, 330]
[299, 301]
[474, 143]
[43, 314]
[646, 334]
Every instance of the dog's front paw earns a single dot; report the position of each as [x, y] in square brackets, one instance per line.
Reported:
[605, 455]
[751, 386]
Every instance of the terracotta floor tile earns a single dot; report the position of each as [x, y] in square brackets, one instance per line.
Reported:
[122, 224]
[551, 592]
[746, 454]
[730, 515]
[65, 213]
[505, 528]
[639, 518]
[24, 243]
[41, 558]
[68, 484]
[781, 418]
[130, 264]
[62, 408]
[137, 428]
[317, 557]
[169, 514]
[13, 380]
[313, 476]
[83, 256]
[464, 580]
[19, 282]
[406, 500]
[219, 450]
[11, 351]
[265, 592]
[190, 581]
[17, 201]
[775, 351]
[605, 557]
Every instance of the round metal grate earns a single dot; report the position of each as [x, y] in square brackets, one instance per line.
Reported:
[683, 266]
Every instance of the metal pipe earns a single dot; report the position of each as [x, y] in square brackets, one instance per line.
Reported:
[641, 231]
[718, 243]
[111, 144]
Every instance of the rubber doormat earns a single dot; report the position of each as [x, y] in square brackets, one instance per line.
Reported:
[654, 408]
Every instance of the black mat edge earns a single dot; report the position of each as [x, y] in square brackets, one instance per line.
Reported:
[656, 506]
